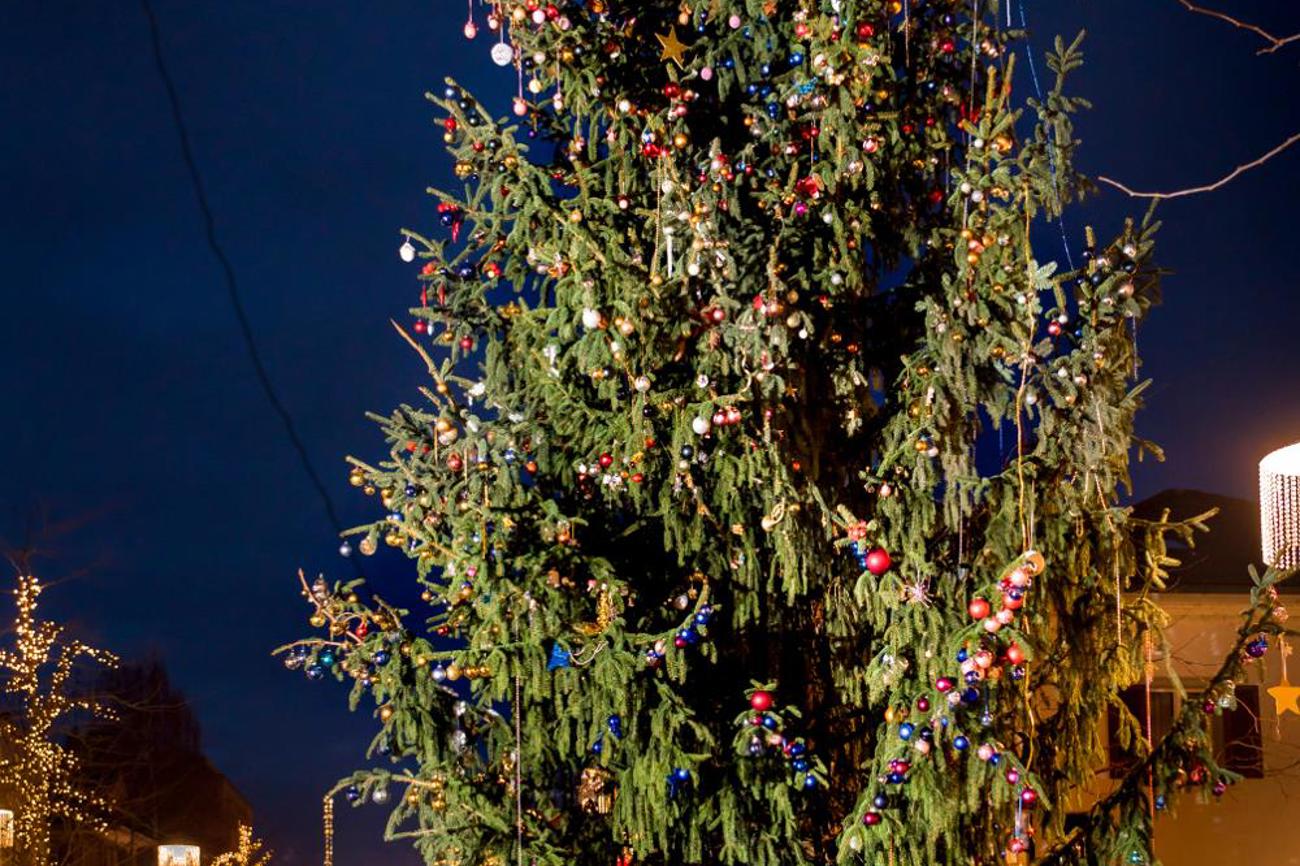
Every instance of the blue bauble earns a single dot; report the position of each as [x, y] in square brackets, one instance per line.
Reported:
[326, 658]
[809, 782]
[382, 657]
[681, 775]
[905, 730]
[880, 801]
[315, 672]
[960, 743]
[352, 793]
[799, 765]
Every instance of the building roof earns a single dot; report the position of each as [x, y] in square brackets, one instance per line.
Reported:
[1220, 560]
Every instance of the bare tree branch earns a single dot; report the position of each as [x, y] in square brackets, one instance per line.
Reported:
[1274, 42]
[1209, 187]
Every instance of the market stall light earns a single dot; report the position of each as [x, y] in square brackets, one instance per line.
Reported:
[1279, 507]
[178, 855]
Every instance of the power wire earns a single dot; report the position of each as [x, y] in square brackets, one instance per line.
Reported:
[228, 269]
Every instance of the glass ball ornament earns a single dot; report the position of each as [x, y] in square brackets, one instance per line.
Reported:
[502, 54]
[406, 251]
[379, 796]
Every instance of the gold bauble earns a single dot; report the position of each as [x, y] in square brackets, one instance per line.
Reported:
[317, 620]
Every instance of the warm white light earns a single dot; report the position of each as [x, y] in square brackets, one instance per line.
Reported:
[6, 828]
[1279, 507]
[178, 855]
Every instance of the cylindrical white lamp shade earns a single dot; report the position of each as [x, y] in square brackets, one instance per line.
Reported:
[178, 855]
[1279, 507]
[6, 828]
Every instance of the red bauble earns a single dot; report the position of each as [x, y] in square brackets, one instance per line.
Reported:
[878, 561]
[871, 819]
[1015, 654]
[1029, 796]
[761, 701]
[978, 608]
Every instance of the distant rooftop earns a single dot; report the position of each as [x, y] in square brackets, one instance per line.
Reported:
[1219, 561]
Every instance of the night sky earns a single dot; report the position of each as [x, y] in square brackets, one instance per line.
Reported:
[132, 409]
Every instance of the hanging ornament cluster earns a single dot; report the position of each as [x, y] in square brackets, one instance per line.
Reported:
[870, 557]
[359, 644]
[763, 733]
[1012, 586]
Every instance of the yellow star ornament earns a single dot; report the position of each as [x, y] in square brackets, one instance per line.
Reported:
[1287, 698]
[674, 50]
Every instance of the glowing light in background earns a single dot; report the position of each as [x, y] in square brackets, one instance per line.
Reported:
[1279, 507]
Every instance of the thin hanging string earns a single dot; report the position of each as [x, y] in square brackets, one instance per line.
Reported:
[1149, 671]
[228, 272]
[1282, 650]
[907, 33]
[1051, 153]
[519, 759]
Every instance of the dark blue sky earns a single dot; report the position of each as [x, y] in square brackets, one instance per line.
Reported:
[130, 401]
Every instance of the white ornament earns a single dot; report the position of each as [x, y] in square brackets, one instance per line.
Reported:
[642, 384]
[502, 54]
[407, 252]
[471, 30]
[591, 319]
[701, 425]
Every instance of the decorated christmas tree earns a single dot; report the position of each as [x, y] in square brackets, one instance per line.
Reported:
[766, 490]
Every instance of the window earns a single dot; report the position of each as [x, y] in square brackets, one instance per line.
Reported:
[1236, 736]
[1162, 719]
